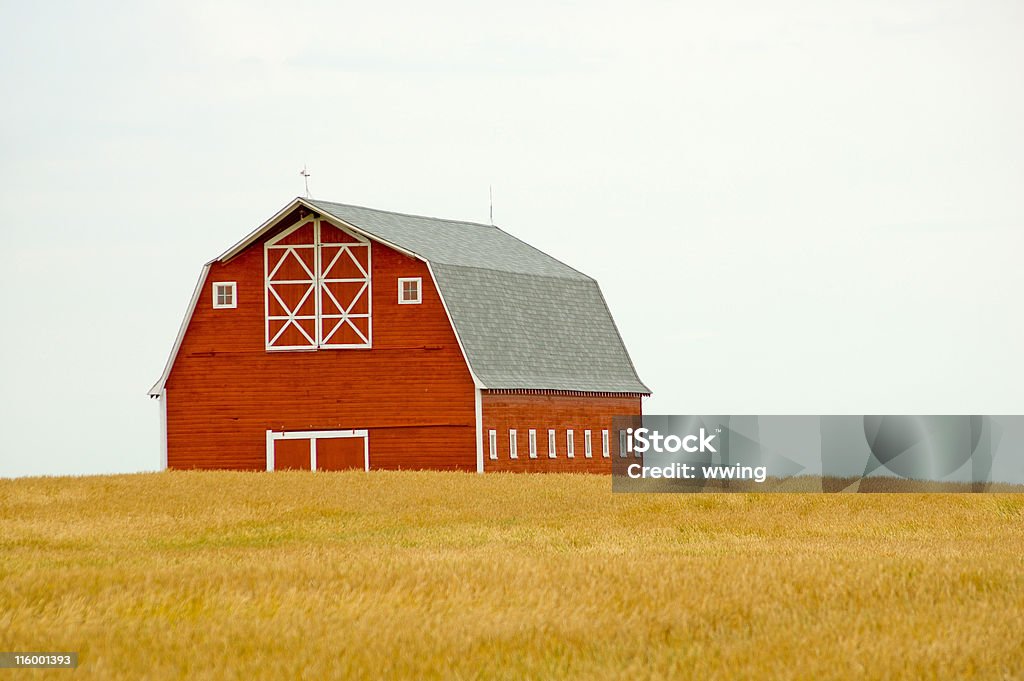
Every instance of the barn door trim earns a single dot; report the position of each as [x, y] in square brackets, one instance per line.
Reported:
[330, 324]
[313, 436]
[326, 325]
[301, 253]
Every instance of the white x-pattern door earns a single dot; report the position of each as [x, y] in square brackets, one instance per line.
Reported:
[317, 288]
[344, 289]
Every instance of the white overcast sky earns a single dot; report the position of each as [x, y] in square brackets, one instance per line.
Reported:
[792, 207]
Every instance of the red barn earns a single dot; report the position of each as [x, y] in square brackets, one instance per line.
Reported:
[335, 336]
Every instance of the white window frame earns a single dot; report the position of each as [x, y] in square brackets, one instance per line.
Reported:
[588, 450]
[605, 451]
[231, 286]
[492, 441]
[624, 445]
[533, 443]
[513, 445]
[551, 444]
[570, 444]
[401, 290]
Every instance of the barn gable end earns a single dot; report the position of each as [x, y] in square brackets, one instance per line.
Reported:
[226, 390]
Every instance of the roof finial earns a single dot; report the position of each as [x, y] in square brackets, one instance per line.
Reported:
[490, 193]
[305, 176]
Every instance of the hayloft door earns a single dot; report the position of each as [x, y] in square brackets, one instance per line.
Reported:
[318, 288]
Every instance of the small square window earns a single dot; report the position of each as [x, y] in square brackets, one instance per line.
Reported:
[410, 291]
[224, 295]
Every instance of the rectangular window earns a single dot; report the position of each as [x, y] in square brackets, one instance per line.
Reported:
[551, 443]
[570, 445]
[513, 446]
[492, 438]
[587, 450]
[409, 292]
[533, 443]
[622, 444]
[224, 295]
[604, 444]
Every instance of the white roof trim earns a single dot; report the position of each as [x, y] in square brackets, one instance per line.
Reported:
[253, 236]
[299, 201]
[158, 387]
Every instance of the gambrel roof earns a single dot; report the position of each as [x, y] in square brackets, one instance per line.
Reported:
[524, 319]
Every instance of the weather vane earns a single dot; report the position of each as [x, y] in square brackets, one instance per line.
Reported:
[305, 177]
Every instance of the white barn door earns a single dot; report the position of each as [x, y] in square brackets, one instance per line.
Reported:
[318, 288]
[289, 262]
[344, 289]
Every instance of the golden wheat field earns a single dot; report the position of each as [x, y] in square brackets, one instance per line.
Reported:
[445, 575]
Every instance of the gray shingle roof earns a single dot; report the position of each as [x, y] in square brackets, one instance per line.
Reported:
[526, 320]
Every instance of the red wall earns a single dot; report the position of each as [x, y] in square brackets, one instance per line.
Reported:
[412, 390]
[502, 412]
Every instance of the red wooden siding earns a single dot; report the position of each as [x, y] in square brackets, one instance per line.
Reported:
[412, 391]
[339, 454]
[291, 455]
[542, 412]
